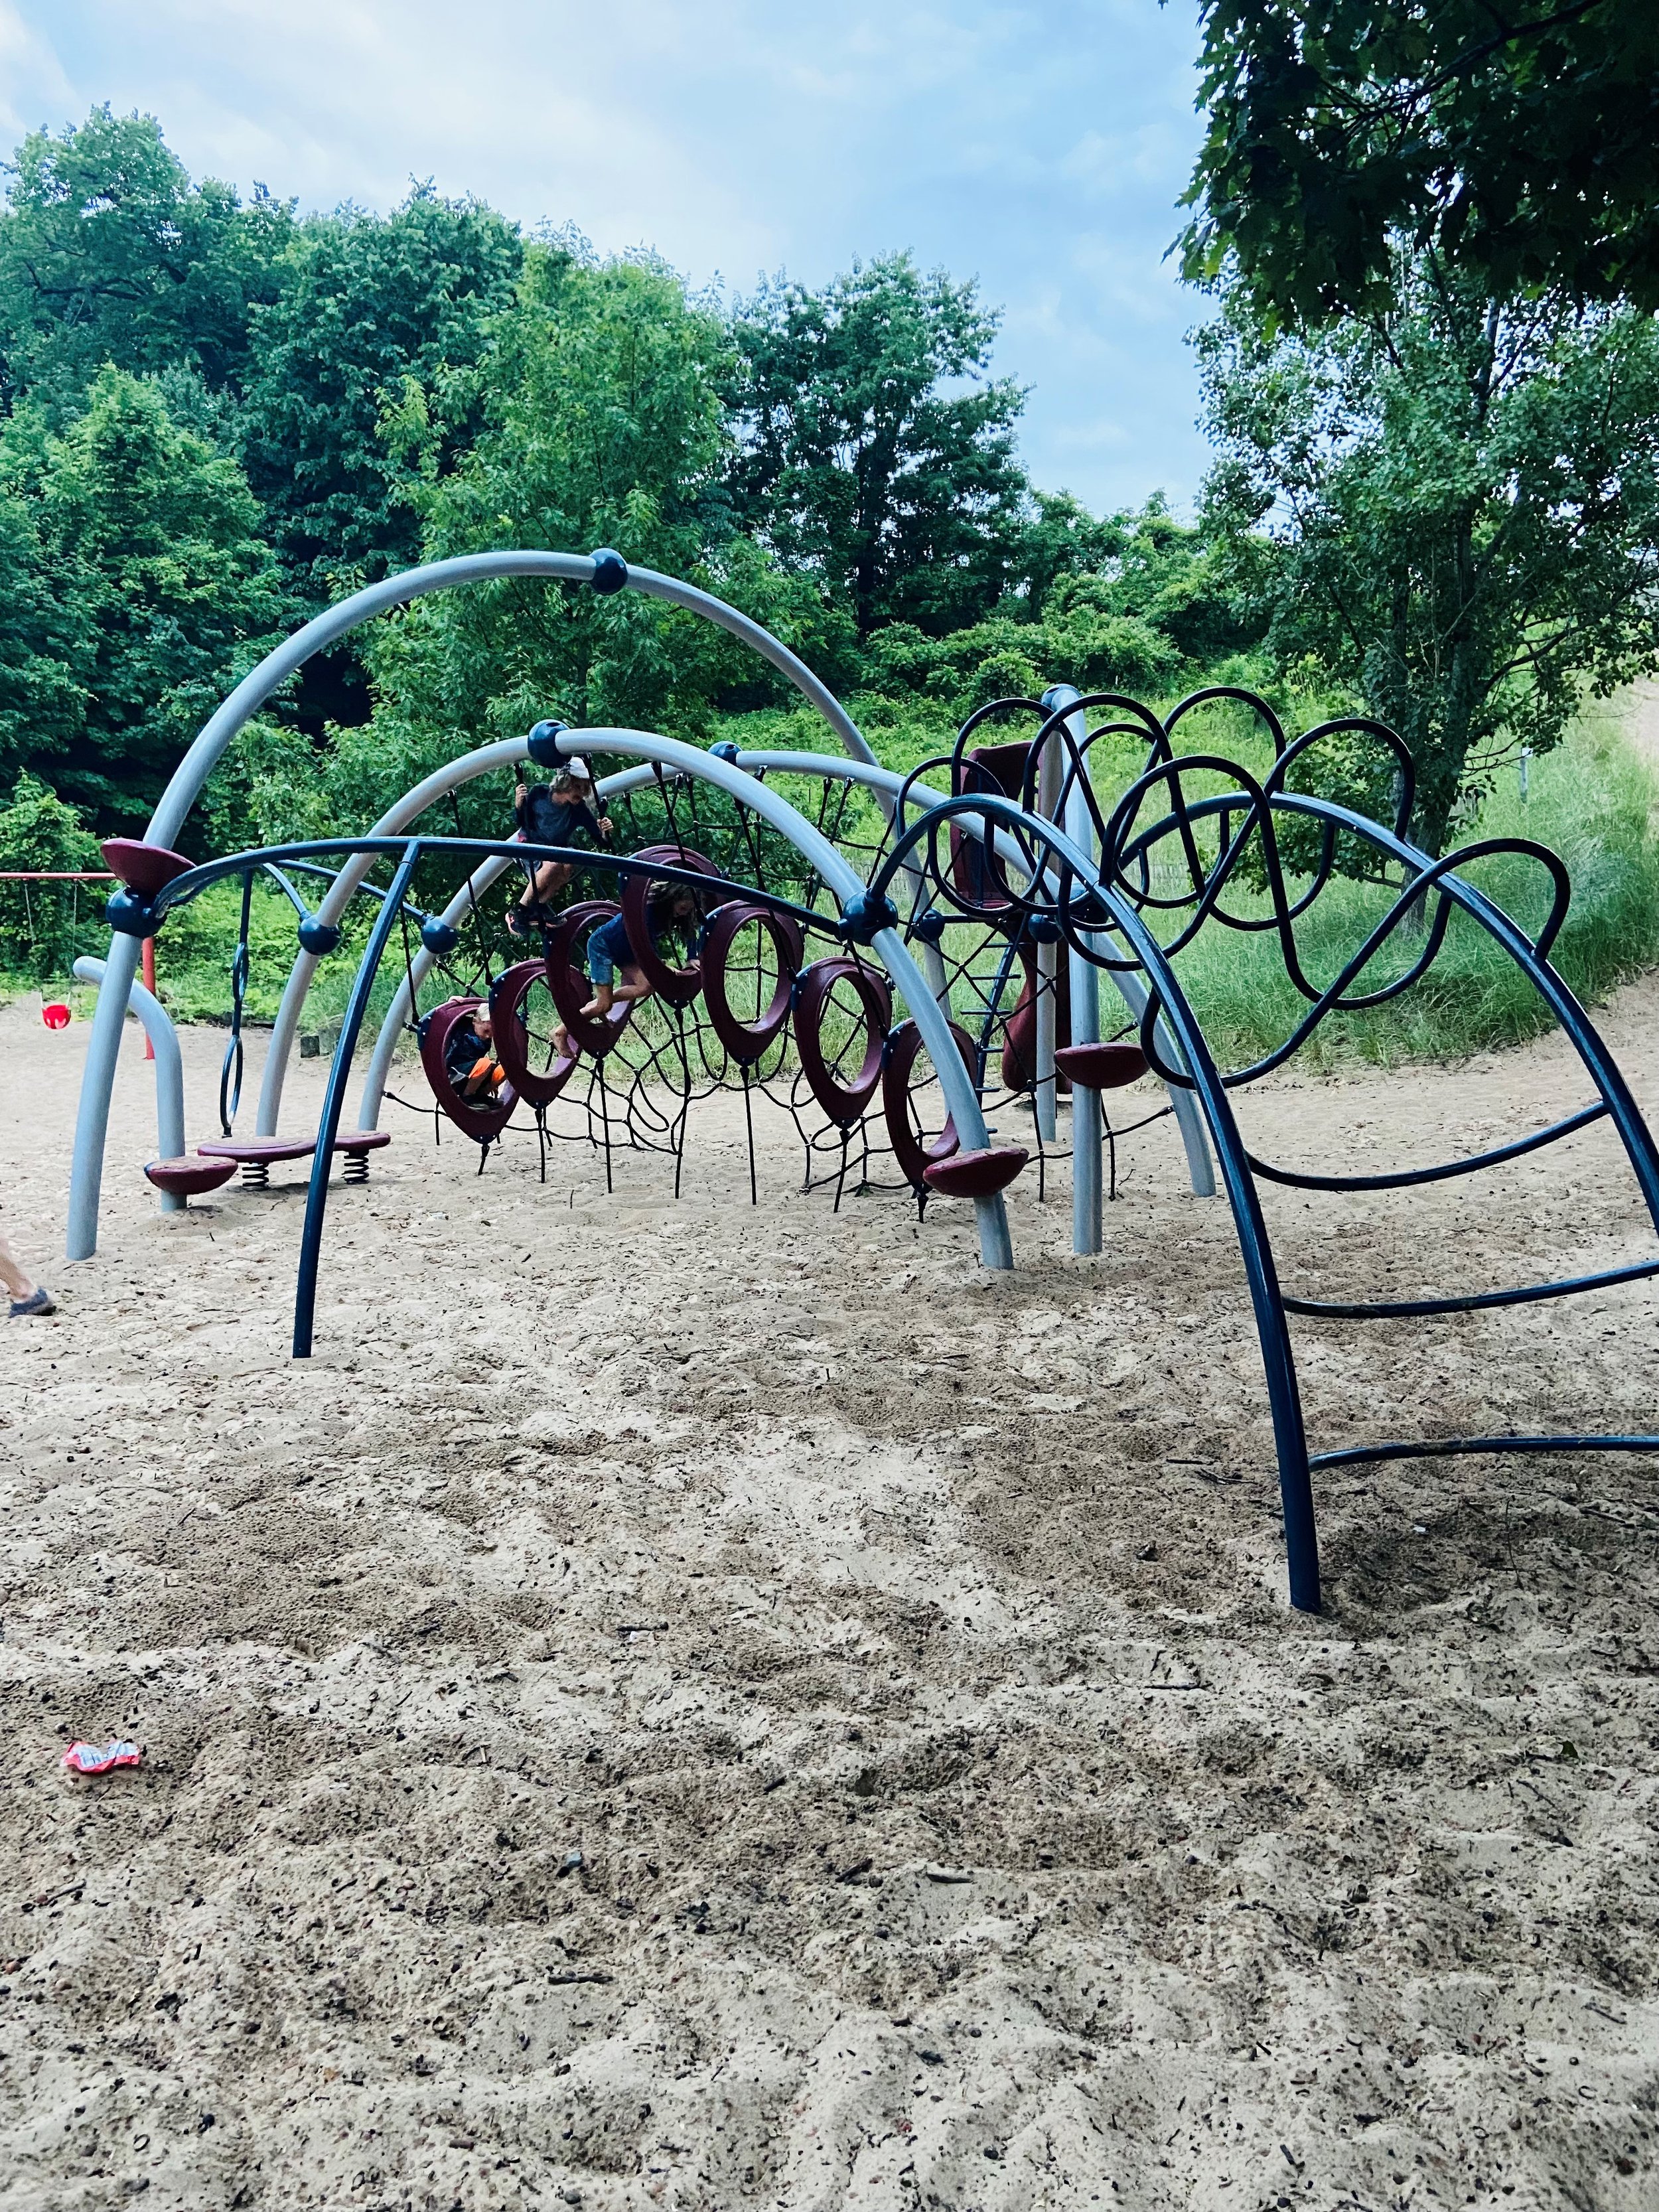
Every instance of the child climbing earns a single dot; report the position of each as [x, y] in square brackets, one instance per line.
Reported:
[470, 1058]
[670, 909]
[556, 814]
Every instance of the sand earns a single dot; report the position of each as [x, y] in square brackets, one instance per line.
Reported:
[680, 1705]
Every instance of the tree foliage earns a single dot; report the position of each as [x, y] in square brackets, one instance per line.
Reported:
[1454, 509]
[1520, 144]
[366, 305]
[215, 418]
[39, 831]
[165, 588]
[108, 253]
[859, 464]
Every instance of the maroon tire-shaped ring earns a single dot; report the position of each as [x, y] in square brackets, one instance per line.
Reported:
[842, 1102]
[904, 1047]
[506, 996]
[481, 1123]
[570, 985]
[747, 1040]
[679, 986]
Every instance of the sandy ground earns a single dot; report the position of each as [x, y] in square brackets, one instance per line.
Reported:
[963, 1818]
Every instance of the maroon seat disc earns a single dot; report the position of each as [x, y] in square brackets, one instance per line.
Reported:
[977, 1174]
[190, 1175]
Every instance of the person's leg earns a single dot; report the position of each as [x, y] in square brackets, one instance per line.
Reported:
[546, 877]
[19, 1285]
[26, 1295]
[601, 974]
[633, 985]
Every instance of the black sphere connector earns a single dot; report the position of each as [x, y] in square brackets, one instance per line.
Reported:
[724, 750]
[1043, 929]
[864, 918]
[316, 935]
[438, 936]
[130, 916]
[610, 571]
[542, 744]
[928, 927]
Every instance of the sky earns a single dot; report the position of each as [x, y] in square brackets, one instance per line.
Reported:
[1039, 148]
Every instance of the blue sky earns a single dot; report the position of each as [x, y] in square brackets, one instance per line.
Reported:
[1039, 147]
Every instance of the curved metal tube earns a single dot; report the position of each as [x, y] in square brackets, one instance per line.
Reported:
[169, 1069]
[98, 1078]
[401, 1011]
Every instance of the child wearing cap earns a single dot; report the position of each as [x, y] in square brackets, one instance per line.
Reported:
[558, 814]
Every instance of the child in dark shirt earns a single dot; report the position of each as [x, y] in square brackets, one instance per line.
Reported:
[557, 815]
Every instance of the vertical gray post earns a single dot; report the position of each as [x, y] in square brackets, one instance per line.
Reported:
[97, 1082]
[1050, 770]
[1085, 982]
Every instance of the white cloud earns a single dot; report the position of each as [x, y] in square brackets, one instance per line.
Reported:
[1038, 145]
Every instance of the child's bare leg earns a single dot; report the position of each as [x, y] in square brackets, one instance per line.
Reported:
[19, 1285]
[599, 1004]
[634, 987]
[550, 876]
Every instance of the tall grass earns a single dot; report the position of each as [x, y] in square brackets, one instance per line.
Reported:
[1593, 800]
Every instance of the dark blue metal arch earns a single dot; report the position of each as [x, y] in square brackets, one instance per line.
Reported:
[1091, 903]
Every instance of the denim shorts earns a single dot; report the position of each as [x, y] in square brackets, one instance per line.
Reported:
[608, 949]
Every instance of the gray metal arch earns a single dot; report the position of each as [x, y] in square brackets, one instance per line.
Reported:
[183, 787]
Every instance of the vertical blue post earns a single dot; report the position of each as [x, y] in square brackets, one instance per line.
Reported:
[339, 1074]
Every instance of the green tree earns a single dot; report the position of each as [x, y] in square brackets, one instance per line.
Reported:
[1454, 509]
[153, 540]
[45, 660]
[39, 831]
[1520, 143]
[370, 302]
[108, 253]
[859, 464]
[602, 426]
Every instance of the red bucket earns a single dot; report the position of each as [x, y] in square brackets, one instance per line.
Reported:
[55, 1017]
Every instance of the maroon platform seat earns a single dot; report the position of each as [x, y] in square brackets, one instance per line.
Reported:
[1102, 1067]
[255, 1154]
[357, 1144]
[976, 1175]
[143, 868]
[190, 1175]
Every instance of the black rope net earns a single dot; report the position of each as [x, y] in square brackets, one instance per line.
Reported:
[641, 1093]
